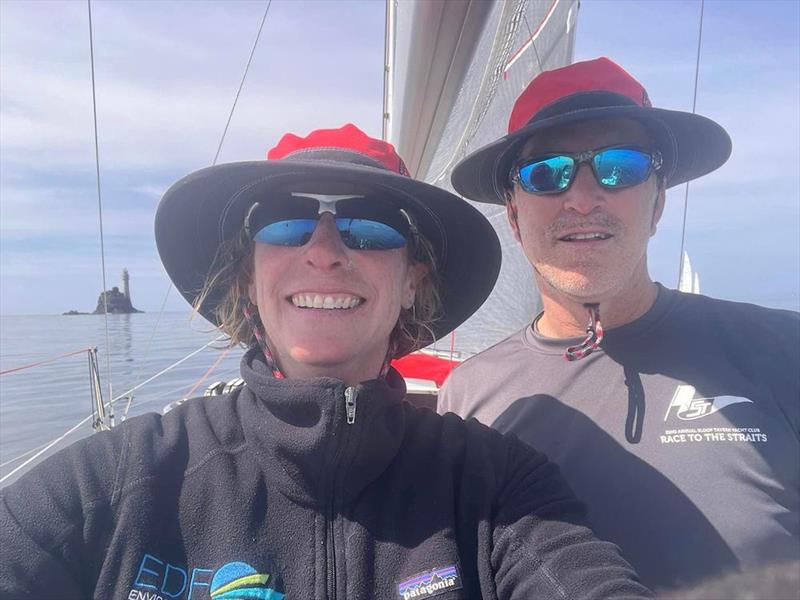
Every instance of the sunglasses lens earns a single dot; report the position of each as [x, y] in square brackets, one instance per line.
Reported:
[621, 167]
[546, 175]
[362, 234]
[357, 234]
[289, 232]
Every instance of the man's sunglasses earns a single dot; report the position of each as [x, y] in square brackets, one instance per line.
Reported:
[362, 224]
[614, 168]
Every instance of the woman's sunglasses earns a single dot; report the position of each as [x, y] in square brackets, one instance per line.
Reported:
[362, 224]
[614, 168]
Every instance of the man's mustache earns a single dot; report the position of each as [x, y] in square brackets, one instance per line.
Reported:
[597, 221]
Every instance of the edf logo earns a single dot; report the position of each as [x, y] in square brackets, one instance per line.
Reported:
[160, 580]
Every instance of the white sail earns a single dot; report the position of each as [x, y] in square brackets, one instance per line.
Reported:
[455, 69]
[690, 279]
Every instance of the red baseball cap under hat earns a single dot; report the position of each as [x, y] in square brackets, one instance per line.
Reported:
[691, 145]
[208, 207]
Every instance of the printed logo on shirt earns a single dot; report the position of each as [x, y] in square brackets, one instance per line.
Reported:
[430, 583]
[159, 580]
[689, 407]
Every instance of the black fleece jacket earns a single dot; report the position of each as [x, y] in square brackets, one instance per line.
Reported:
[301, 489]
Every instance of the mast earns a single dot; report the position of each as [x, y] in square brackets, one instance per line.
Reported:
[388, 72]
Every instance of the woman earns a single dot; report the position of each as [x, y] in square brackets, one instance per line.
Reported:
[316, 479]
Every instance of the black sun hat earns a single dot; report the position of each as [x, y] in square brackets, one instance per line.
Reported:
[690, 145]
[208, 207]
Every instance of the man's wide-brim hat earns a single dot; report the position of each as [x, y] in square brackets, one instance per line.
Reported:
[208, 207]
[691, 145]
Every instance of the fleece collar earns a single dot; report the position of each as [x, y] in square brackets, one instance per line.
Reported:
[298, 431]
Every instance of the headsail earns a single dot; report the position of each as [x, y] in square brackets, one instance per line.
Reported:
[690, 279]
[455, 70]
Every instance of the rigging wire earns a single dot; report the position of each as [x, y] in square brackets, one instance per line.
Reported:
[216, 157]
[100, 209]
[694, 106]
[208, 372]
[241, 84]
[214, 162]
[153, 333]
[82, 422]
[532, 39]
[533, 43]
[44, 362]
[171, 393]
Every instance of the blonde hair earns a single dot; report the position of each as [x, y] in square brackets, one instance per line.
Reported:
[231, 274]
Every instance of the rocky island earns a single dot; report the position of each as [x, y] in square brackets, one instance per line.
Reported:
[118, 302]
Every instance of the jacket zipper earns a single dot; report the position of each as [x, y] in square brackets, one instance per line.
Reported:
[350, 394]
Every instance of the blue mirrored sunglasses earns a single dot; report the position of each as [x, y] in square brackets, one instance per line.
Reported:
[357, 234]
[614, 167]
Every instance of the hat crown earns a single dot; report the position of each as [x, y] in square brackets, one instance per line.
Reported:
[553, 87]
[347, 144]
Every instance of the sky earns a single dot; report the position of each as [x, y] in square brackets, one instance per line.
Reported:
[167, 73]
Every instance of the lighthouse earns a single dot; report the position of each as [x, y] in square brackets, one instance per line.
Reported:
[126, 284]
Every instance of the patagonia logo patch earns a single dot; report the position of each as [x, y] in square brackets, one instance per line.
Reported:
[430, 583]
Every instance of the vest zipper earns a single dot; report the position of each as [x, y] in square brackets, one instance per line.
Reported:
[350, 404]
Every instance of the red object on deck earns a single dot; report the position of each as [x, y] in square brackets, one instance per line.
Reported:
[419, 365]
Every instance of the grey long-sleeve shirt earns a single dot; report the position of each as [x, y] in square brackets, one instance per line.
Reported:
[681, 435]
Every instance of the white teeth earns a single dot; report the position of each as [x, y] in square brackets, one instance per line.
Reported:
[587, 236]
[341, 302]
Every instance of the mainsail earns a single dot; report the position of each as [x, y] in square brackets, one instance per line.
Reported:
[454, 71]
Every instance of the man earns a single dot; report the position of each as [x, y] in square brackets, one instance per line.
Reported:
[674, 416]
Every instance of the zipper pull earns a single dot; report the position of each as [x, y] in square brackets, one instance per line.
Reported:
[350, 404]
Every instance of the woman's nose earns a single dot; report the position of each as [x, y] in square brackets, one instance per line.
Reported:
[325, 249]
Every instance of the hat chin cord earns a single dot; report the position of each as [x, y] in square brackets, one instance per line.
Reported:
[258, 331]
[594, 336]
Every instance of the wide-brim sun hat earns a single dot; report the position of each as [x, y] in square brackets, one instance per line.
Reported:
[691, 145]
[208, 207]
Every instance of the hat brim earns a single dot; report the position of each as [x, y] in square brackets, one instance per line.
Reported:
[691, 145]
[204, 209]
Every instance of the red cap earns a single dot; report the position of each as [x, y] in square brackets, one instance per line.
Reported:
[348, 137]
[600, 74]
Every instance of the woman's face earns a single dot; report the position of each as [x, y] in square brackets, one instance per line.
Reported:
[328, 310]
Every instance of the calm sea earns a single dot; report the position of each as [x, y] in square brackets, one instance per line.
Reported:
[41, 403]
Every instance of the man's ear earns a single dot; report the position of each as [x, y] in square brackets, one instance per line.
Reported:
[658, 209]
[511, 213]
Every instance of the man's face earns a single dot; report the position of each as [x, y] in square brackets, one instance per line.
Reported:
[552, 228]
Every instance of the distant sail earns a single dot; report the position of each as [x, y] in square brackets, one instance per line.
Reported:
[455, 69]
[690, 280]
